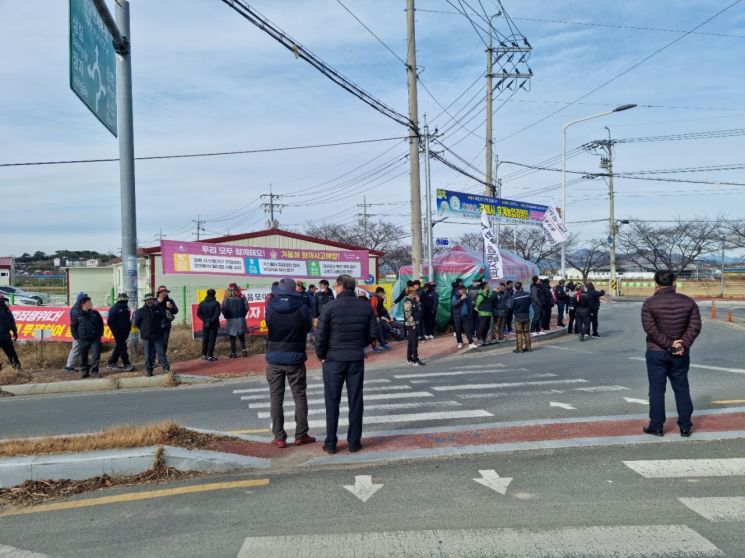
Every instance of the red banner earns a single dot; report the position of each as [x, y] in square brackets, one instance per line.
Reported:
[53, 321]
[255, 320]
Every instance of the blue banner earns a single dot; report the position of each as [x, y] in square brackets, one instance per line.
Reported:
[470, 206]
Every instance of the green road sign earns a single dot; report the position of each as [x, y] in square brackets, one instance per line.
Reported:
[92, 62]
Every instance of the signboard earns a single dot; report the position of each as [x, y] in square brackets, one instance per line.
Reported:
[52, 323]
[255, 320]
[202, 258]
[471, 206]
[491, 251]
[442, 242]
[554, 229]
[93, 62]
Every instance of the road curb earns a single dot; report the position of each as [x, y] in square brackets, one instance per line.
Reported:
[88, 385]
[81, 466]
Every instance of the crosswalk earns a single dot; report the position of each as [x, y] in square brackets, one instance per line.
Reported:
[712, 508]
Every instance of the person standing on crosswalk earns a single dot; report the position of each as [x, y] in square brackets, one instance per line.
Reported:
[288, 322]
[346, 326]
[672, 322]
[520, 304]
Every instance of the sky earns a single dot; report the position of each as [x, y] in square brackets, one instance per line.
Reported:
[206, 80]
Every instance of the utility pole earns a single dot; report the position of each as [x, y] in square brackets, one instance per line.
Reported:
[721, 269]
[271, 206]
[415, 193]
[488, 181]
[200, 226]
[607, 164]
[364, 215]
[126, 145]
[428, 217]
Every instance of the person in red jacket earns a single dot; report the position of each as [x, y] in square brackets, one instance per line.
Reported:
[672, 322]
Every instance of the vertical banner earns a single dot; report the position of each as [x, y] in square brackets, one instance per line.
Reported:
[491, 251]
[554, 229]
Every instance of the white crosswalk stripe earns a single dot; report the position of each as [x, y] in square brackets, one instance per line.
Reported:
[600, 389]
[506, 385]
[717, 509]
[378, 407]
[288, 392]
[524, 377]
[311, 384]
[408, 417]
[688, 468]
[372, 397]
[459, 373]
[596, 542]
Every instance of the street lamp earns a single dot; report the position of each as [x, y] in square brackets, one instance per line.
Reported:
[564, 173]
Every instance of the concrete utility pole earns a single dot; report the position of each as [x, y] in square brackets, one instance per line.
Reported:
[416, 201]
[428, 218]
[612, 217]
[721, 270]
[364, 215]
[488, 180]
[126, 145]
[200, 227]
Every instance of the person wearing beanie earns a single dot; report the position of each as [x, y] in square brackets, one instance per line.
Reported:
[235, 310]
[8, 333]
[88, 329]
[119, 321]
[209, 312]
[74, 354]
[288, 323]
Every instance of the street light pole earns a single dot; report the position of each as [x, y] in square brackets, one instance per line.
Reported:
[428, 217]
[564, 173]
[612, 283]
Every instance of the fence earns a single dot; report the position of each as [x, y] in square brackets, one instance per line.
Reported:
[734, 287]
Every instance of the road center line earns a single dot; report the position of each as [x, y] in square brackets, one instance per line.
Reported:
[135, 496]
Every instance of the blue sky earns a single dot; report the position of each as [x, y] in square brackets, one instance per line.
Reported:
[206, 80]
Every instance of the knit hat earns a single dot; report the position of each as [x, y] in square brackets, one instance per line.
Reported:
[287, 284]
[148, 296]
[122, 296]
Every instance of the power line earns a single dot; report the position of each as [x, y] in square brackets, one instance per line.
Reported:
[623, 73]
[362, 23]
[209, 154]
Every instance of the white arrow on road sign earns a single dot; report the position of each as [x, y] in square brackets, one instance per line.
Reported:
[491, 479]
[562, 405]
[640, 401]
[363, 487]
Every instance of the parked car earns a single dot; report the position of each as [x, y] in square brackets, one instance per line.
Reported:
[25, 297]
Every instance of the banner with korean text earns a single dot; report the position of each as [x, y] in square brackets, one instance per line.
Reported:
[252, 261]
[491, 251]
[53, 321]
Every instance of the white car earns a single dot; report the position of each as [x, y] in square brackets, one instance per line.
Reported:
[25, 297]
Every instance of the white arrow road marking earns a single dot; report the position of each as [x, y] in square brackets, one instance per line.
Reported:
[640, 401]
[704, 366]
[13, 552]
[363, 487]
[491, 479]
[562, 405]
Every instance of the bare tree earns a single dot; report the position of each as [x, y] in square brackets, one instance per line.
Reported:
[671, 246]
[735, 231]
[530, 244]
[589, 258]
[384, 236]
[474, 241]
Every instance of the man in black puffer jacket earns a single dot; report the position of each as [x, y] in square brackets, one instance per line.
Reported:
[8, 333]
[288, 323]
[209, 312]
[346, 326]
[120, 324]
[87, 328]
[149, 320]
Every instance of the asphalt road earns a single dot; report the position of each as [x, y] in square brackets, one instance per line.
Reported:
[583, 502]
[562, 378]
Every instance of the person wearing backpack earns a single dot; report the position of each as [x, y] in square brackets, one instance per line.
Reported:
[484, 309]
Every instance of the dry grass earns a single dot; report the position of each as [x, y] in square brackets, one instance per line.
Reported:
[35, 492]
[10, 376]
[125, 436]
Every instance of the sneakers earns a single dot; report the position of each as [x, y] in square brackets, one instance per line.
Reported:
[211, 359]
[460, 345]
[418, 363]
[204, 357]
[305, 439]
[429, 336]
[111, 367]
[377, 349]
[473, 346]
[129, 368]
[279, 443]
[595, 335]
[70, 369]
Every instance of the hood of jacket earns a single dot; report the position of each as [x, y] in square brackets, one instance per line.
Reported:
[285, 302]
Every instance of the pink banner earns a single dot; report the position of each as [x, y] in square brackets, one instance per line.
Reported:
[252, 261]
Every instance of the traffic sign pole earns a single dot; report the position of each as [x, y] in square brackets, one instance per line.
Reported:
[127, 157]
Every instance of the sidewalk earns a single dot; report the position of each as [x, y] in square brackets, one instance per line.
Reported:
[442, 345]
